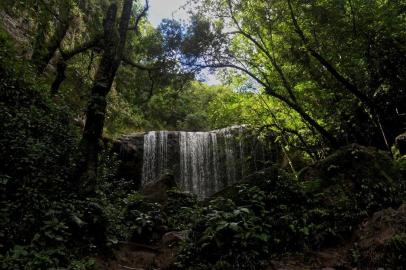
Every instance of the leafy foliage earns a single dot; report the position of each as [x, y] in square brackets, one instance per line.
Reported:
[244, 229]
[181, 209]
[145, 221]
[44, 222]
[322, 60]
[275, 214]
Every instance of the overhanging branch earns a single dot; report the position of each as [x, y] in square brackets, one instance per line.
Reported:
[139, 17]
[95, 42]
[66, 56]
[264, 50]
[128, 61]
[291, 104]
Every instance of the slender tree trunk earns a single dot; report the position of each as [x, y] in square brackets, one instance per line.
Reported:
[323, 132]
[60, 76]
[45, 51]
[368, 103]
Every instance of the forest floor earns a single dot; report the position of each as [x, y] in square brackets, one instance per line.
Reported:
[371, 240]
[367, 245]
[136, 256]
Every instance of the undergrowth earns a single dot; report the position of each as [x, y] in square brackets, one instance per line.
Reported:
[44, 222]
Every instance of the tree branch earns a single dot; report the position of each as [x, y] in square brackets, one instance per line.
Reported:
[67, 55]
[128, 61]
[139, 17]
[55, 15]
[263, 48]
[334, 72]
[294, 106]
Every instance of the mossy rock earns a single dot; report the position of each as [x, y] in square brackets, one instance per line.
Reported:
[259, 178]
[365, 174]
[157, 191]
[347, 187]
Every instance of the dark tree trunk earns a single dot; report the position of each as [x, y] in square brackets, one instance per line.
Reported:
[60, 76]
[113, 47]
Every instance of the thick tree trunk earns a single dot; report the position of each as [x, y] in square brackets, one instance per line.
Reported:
[114, 43]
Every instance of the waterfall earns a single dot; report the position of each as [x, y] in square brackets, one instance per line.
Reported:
[203, 163]
[198, 162]
[215, 164]
[155, 157]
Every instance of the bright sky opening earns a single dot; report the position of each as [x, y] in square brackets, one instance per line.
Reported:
[174, 9]
[161, 9]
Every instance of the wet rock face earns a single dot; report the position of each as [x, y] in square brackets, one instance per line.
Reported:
[201, 162]
[401, 143]
[130, 153]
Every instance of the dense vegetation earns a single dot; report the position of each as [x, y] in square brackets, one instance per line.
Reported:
[323, 76]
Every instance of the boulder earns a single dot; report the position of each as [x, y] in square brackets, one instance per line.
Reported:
[367, 174]
[157, 191]
[381, 240]
[349, 186]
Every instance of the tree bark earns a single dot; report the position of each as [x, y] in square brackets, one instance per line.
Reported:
[60, 76]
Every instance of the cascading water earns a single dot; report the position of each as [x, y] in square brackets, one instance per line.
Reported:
[203, 163]
[155, 159]
[198, 162]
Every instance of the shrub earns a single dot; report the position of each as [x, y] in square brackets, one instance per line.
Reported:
[246, 228]
[43, 222]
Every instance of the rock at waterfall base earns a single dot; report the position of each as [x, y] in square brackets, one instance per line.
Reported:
[157, 191]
